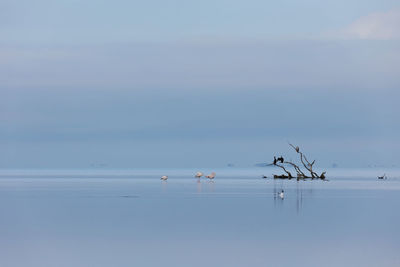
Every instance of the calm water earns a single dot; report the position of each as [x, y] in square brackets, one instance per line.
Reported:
[131, 218]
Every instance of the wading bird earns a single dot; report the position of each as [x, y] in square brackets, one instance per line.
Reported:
[198, 174]
[382, 177]
[164, 177]
[211, 176]
[281, 194]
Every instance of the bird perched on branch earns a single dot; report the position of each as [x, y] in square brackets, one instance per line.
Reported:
[280, 159]
[297, 149]
[275, 160]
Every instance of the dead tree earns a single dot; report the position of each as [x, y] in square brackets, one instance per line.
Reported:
[289, 175]
[300, 174]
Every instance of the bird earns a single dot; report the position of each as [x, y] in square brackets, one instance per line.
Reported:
[280, 159]
[382, 177]
[198, 174]
[275, 160]
[264, 176]
[211, 176]
[164, 177]
[281, 194]
[297, 149]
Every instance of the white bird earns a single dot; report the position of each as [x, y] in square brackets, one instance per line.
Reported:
[211, 176]
[198, 174]
[281, 194]
[164, 177]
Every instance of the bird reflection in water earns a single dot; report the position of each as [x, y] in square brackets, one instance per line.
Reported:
[300, 193]
[211, 185]
[278, 199]
[299, 197]
[199, 186]
[164, 184]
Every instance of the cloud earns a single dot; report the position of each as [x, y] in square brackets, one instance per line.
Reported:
[190, 66]
[375, 26]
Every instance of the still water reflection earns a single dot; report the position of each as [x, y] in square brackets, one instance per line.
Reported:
[134, 219]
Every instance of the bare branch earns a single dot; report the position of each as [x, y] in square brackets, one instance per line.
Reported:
[298, 170]
[287, 172]
[306, 163]
[297, 149]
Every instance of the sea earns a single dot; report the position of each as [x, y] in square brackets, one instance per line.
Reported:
[129, 217]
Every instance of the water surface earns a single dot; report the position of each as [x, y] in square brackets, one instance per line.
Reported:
[131, 218]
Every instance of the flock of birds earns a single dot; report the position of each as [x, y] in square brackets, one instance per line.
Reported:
[280, 194]
[198, 175]
[212, 175]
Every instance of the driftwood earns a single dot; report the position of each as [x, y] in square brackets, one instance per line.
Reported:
[280, 162]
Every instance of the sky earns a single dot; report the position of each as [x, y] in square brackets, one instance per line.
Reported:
[148, 84]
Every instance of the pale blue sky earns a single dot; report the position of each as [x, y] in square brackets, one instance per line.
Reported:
[206, 83]
[76, 22]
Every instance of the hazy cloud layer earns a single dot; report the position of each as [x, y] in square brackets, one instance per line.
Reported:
[375, 26]
[182, 83]
[164, 128]
[278, 64]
